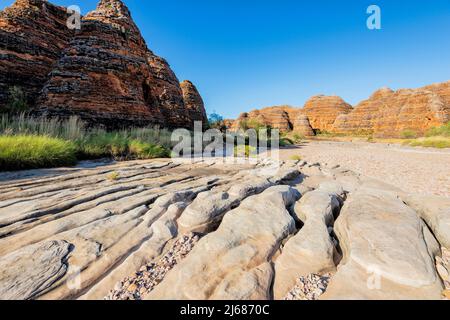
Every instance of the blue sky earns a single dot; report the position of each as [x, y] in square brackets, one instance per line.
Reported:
[247, 54]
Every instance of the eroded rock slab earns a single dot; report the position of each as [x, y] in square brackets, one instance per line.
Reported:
[435, 211]
[32, 270]
[232, 263]
[311, 250]
[388, 251]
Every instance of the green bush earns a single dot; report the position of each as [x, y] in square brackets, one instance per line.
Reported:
[30, 152]
[144, 150]
[297, 137]
[431, 142]
[93, 143]
[443, 131]
[408, 134]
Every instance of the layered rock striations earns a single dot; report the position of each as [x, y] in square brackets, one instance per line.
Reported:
[388, 113]
[104, 72]
[193, 102]
[33, 34]
[322, 111]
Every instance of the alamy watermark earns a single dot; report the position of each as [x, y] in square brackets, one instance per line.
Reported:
[374, 20]
[251, 145]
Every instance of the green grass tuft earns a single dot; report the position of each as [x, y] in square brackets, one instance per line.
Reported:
[430, 142]
[443, 131]
[31, 152]
[408, 134]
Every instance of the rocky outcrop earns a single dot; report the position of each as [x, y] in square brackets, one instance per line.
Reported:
[322, 111]
[388, 113]
[193, 102]
[311, 250]
[104, 73]
[177, 229]
[301, 125]
[33, 34]
[233, 262]
[388, 250]
[275, 117]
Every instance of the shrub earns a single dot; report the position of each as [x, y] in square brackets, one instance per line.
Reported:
[296, 157]
[30, 152]
[284, 142]
[17, 101]
[297, 137]
[408, 134]
[443, 131]
[431, 142]
[144, 150]
[113, 176]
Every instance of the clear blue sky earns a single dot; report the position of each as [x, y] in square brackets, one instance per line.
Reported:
[246, 54]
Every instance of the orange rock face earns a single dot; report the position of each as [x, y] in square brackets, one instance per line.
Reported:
[275, 117]
[106, 74]
[193, 102]
[322, 111]
[302, 125]
[387, 113]
[33, 34]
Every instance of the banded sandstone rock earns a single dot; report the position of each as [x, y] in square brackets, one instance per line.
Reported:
[275, 117]
[103, 73]
[387, 113]
[322, 111]
[193, 102]
[33, 34]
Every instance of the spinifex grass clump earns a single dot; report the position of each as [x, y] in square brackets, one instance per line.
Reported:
[25, 139]
[29, 152]
[437, 137]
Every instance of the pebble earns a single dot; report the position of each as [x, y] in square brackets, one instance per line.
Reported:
[150, 275]
[310, 287]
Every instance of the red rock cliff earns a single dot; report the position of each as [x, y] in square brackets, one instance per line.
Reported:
[103, 73]
[33, 34]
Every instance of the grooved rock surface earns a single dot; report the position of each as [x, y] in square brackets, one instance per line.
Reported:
[311, 250]
[32, 270]
[112, 227]
[232, 262]
[322, 111]
[387, 113]
[388, 250]
[214, 229]
[435, 211]
[104, 73]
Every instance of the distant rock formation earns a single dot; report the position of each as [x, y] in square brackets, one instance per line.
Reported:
[322, 111]
[103, 73]
[302, 125]
[387, 113]
[276, 117]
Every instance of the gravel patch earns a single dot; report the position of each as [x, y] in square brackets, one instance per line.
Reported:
[150, 275]
[310, 287]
